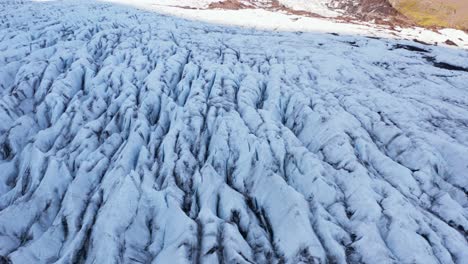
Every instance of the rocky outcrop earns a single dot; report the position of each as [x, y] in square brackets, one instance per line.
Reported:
[380, 11]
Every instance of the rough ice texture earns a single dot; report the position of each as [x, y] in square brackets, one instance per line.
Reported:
[132, 137]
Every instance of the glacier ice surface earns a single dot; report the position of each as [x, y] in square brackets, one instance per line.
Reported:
[132, 137]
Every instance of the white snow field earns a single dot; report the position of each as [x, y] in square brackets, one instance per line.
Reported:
[128, 136]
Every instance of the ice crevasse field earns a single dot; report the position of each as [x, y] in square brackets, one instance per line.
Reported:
[129, 135]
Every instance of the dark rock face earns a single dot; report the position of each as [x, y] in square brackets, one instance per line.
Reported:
[376, 10]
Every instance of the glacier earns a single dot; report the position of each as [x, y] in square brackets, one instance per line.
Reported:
[128, 136]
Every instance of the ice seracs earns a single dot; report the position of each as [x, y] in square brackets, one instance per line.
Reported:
[128, 136]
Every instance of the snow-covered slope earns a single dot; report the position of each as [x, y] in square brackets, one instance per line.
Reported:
[132, 137]
[273, 19]
[319, 7]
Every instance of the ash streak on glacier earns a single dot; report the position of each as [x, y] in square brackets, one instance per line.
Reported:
[132, 137]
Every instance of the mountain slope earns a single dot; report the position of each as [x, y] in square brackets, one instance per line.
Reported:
[132, 137]
[444, 13]
[427, 13]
